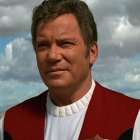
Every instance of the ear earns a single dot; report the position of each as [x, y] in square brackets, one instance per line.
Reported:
[93, 53]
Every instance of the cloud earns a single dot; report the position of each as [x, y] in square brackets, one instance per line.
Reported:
[14, 20]
[18, 62]
[124, 42]
[15, 16]
[133, 10]
[117, 35]
[28, 3]
[119, 74]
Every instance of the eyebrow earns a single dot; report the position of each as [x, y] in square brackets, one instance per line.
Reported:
[42, 41]
[66, 39]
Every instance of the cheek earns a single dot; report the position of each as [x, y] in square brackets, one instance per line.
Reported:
[40, 61]
[77, 58]
[81, 65]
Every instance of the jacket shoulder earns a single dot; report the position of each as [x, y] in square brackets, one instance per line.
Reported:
[21, 119]
[31, 107]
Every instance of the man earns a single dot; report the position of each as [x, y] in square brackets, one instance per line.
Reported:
[74, 107]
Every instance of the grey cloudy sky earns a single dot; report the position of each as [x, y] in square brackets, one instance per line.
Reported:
[118, 66]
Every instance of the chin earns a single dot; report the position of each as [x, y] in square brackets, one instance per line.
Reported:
[56, 84]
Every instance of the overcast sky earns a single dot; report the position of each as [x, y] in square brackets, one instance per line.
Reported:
[118, 66]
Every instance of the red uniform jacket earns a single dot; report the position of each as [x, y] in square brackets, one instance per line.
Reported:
[110, 114]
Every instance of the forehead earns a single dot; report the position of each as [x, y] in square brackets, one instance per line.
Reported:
[66, 22]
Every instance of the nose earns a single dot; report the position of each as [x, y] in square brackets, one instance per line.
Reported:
[53, 54]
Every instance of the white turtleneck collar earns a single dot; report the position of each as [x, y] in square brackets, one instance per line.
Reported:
[71, 109]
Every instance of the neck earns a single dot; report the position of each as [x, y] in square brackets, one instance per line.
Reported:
[66, 96]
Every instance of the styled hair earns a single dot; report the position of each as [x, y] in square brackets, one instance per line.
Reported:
[50, 9]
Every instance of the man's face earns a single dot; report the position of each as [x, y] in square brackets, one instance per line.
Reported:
[61, 53]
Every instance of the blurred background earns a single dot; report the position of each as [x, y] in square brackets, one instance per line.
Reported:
[118, 66]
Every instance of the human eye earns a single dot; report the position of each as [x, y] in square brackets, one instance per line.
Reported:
[42, 45]
[66, 44]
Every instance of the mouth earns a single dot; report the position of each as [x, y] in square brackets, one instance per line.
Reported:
[55, 70]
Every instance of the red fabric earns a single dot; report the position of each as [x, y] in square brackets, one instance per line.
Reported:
[26, 121]
[109, 115]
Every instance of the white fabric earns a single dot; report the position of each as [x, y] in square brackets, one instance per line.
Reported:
[1, 125]
[65, 123]
[136, 132]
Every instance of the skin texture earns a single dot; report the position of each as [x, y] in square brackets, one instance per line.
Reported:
[62, 61]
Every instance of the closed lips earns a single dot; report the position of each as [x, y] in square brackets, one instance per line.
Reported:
[55, 70]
